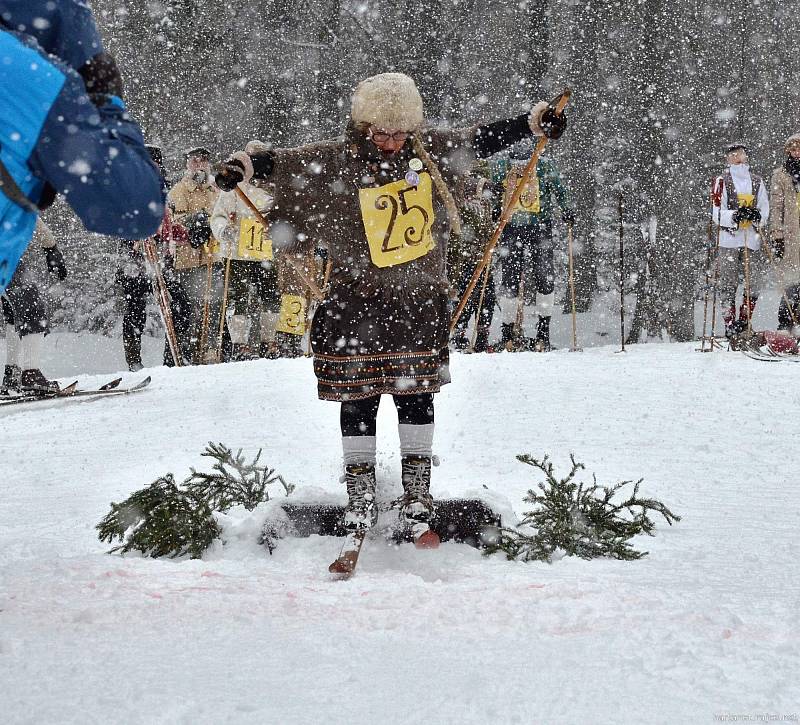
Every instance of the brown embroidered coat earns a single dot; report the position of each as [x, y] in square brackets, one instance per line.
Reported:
[784, 222]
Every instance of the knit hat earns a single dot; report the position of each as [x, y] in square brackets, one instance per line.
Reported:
[793, 143]
[388, 101]
[729, 148]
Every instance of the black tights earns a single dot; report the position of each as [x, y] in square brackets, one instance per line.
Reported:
[357, 417]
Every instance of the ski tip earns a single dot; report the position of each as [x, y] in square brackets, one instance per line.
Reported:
[342, 568]
[427, 540]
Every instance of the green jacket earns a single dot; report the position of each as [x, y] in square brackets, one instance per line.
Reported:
[549, 185]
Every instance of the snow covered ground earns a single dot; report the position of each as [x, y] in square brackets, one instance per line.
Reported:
[706, 626]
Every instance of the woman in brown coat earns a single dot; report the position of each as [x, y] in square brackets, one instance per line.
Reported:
[379, 198]
[784, 228]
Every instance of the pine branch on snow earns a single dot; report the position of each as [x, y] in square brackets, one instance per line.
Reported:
[166, 519]
[235, 482]
[160, 520]
[579, 520]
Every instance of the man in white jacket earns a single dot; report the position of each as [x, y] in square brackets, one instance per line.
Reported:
[740, 202]
[247, 245]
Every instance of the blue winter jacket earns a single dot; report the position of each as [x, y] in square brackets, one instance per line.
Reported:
[50, 131]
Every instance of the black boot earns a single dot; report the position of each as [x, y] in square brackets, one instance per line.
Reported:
[482, 339]
[132, 343]
[361, 511]
[542, 343]
[11, 380]
[416, 504]
[34, 379]
[507, 336]
[460, 341]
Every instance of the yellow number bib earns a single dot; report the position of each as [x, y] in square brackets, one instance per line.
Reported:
[212, 247]
[293, 315]
[529, 198]
[745, 200]
[252, 242]
[397, 220]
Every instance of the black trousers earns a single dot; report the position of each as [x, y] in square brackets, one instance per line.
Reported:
[357, 417]
[24, 308]
[527, 253]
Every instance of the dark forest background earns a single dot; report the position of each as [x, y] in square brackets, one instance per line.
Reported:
[659, 87]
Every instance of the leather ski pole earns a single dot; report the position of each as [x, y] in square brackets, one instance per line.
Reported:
[707, 286]
[560, 102]
[312, 286]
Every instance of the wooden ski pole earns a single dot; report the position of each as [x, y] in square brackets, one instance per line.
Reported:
[476, 328]
[621, 274]
[223, 308]
[708, 283]
[714, 293]
[747, 285]
[572, 290]
[312, 286]
[202, 343]
[163, 299]
[560, 102]
[519, 318]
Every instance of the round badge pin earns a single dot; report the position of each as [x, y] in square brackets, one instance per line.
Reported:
[412, 178]
[415, 164]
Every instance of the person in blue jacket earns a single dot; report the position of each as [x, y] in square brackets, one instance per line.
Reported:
[64, 130]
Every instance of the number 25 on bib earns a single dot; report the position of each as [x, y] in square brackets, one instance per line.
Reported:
[397, 221]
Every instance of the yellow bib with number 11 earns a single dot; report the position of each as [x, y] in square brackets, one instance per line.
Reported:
[397, 220]
[252, 242]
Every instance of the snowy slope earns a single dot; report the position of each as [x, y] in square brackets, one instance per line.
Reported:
[706, 625]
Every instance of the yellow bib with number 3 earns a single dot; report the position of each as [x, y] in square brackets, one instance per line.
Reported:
[253, 243]
[397, 220]
[745, 200]
[529, 198]
[292, 319]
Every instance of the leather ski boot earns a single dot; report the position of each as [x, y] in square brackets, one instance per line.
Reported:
[11, 380]
[542, 341]
[416, 503]
[35, 380]
[361, 511]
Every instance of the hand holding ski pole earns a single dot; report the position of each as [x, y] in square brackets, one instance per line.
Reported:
[558, 107]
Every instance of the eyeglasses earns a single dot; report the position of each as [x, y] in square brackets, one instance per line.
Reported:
[383, 136]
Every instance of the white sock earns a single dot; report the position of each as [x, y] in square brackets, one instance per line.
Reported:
[416, 440]
[544, 304]
[239, 329]
[12, 346]
[267, 321]
[358, 449]
[508, 307]
[30, 351]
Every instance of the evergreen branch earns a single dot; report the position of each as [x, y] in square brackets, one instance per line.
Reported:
[579, 520]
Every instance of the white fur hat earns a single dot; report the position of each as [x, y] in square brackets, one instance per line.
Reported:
[793, 143]
[389, 101]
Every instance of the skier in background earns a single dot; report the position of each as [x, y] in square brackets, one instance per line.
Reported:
[740, 201]
[526, 245]
[784, 230]
[26, 317]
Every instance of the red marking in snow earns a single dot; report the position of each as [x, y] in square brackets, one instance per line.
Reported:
[291, 595]
[536, 586]
[92, 585]
[726, 634]
[155, 595]
[210, 573]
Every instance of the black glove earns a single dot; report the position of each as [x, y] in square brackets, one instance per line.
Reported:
[198, 226]
[778, 248]
[55, 263]
[568, 216]
[102, 78]
[747, 214]
[228, 174]
[553, 124]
